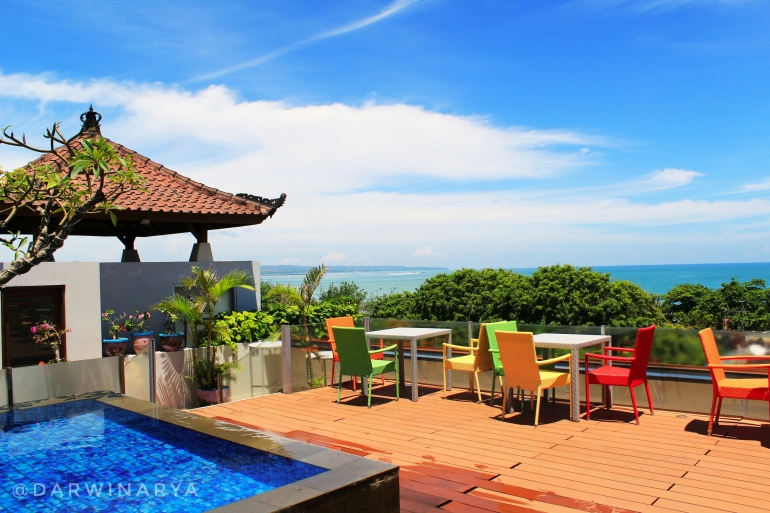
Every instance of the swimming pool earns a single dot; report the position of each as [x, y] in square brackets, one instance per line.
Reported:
[90, 455]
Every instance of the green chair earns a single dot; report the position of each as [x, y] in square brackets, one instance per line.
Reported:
[356, 358]
[492, 329]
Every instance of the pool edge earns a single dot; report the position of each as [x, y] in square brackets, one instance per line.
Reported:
[350, 483]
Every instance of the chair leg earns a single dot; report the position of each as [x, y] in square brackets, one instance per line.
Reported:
[531, 399]
[339, 386]
[588, 399]
[442, 372]
[553, 395]
[478, 386]
[505, 402]
[719, 410]
[353, 379]
[607, 395]
[537, 408]
[649, 397]
[332, 381]
[492, 393]
[714, 401]
[470, 384]
[633, 401]
[369, 383]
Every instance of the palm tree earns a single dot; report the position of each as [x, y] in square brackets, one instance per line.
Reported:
[306, 292]
[198, 309]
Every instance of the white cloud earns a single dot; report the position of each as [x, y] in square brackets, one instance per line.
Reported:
[324, 156]
[391, 9]
[755, 187]
[426, 251]
[334, 258]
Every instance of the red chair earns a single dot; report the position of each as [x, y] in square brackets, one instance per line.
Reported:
[630, 377]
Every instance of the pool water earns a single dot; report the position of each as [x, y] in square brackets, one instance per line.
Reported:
[89, 456]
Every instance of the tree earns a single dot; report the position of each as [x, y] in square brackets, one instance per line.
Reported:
[346, 293]
[206, 290]
[85, 176]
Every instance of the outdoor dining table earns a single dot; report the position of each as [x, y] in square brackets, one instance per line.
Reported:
[413, 335]
[574, 343]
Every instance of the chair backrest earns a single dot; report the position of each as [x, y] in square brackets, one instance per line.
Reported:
[483, 361]
[353, 351]
[642, 350]
[492, 329]
[712, 353]
[519, 359]
[344, 322]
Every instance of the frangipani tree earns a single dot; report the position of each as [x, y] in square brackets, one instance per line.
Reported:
[87, 176]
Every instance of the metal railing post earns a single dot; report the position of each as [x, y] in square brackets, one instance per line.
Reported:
[219, 388]
[606, 397]
[367, 324]
[152, 370]
[286, 357]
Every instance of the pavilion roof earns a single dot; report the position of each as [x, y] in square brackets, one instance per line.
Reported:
[171, 203]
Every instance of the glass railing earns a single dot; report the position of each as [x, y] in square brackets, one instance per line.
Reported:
[63, 379]
[136, 373]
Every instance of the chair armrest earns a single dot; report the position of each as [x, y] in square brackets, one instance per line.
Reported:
[608, 358]
[476, 341]
[494, 350]
[742, 367]
[767, 357]
[554, 360]
[613, 348]
[383, 349]
[470, 350]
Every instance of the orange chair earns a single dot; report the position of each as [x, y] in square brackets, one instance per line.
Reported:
[756, 389]
[345, 322]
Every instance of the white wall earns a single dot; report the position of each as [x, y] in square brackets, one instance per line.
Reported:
[82, 302]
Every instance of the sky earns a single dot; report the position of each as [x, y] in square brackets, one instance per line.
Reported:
[453, 133]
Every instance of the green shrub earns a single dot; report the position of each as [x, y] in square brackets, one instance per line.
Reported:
[246, 326]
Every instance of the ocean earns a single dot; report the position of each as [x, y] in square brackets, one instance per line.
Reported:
[657, 279]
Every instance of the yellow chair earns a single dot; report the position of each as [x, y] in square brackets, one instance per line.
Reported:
[479, 359]
[522, 368]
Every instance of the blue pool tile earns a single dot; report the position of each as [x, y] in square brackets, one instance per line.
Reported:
[89, 456]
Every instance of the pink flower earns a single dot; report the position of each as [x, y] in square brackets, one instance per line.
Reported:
[33, 329]
[69, 330]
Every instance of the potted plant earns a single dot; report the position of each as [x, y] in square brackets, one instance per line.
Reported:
[171, 340]
[136, 325]
[198, 309]
[48, 335]
[114, 345]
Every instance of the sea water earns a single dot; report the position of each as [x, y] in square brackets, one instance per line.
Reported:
[657, 279]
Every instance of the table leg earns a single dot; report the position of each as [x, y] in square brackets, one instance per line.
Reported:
[575, 385]
[413, 352]
[401, 377]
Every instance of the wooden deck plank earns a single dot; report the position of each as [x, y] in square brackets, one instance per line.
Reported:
[457, 455]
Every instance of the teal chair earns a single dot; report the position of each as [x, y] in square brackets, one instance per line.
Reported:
[356, 358]
[492, 329]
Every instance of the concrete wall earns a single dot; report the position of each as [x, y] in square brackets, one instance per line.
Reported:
[40, 382]
[92, 287]
[82, 308]
[130, 286]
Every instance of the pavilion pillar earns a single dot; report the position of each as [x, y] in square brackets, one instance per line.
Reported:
[129, 253]
[201, 251]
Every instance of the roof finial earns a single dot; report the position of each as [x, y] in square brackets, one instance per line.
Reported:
[90, 121]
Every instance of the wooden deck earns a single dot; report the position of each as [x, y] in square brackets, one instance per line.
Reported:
[456, 456]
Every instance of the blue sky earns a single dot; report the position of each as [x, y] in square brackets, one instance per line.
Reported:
[427, 132]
